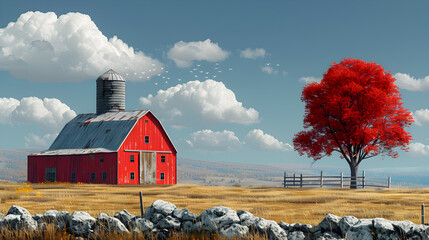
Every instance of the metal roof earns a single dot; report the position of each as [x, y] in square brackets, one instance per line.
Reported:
[73, 151]
[111, 75]
[88, 131]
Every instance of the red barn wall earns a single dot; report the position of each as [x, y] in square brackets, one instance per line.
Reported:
[82, 165]
[158, 141]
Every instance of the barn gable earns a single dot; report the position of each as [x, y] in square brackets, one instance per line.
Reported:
[87, 131]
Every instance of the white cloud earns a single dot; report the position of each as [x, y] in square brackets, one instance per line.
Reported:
[199, 103]
[310, 79]
[421, 117]
[207, 140]
[184, 53]
[410, 83]
[253, 53]
[34, 141]
[419, 149]
[50, 113]
[269, 70]
[257, 139]
[42, 47]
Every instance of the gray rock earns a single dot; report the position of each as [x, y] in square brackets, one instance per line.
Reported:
[40, 221]
[187, 226]
[159, 206]
[235, 230]
[144, 225]
[330, 223]
[247, 218]
[127, 219]
[81, 223]
[156, 217]
[198, 226]
[19, 218]
[263, 225]
[346, 222]
[219, 217]
[329, 236]
[363, 229]
[50, 216]
[404, 227]
[178, 213]
[189, 216]
[384, 230]
[169, 223]
[63, 219]
[284, 225]
[110, 224]
[275, 232]
[305, 228]
[297, 235]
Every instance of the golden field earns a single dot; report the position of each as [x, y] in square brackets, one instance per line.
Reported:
[288, 205]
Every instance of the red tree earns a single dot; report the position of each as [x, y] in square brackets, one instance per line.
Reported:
[355, 110]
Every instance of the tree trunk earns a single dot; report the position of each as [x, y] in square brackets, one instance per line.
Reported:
[353, 175]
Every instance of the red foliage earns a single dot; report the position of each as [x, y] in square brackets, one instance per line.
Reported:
[355, 110]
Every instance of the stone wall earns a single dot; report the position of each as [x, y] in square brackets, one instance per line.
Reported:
[162, 218]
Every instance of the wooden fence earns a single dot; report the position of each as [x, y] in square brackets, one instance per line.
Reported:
[329, 181]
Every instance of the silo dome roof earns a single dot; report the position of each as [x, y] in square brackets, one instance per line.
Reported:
[111, 75]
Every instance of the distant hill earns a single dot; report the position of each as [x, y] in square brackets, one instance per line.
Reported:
[13, 164]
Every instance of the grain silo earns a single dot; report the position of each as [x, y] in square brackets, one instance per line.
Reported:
[110, 92]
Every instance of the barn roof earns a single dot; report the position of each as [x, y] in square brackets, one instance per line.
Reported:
[89, 131]
[73, 151]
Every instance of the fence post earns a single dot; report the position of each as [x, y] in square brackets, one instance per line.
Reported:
[389, 180]
[294, 183]
[363, 179]
[321, 178]
[341, 179]
[284, 179]
[141, 203]
[423, 213]
[301, 180]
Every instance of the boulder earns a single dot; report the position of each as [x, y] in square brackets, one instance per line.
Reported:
[404, 227]
[363, 229]
[329, 236]
[284, 225]
[330, 223]
[190, 216]
[50, 216]
[178, 213]
[19, 218]
[40, 221]
[63, 219]
[275, 232]
[127, 219]
[81, 223]
[297, 235]
[156, 217]
[187, 226]
[384, 230]
[346, 222]
[144, 225]
[198, 226]
[263, 225]
[110, 224]
[305, 228]
[159, 206]
[215, 218]
[169, 223]
[247, 218]
[235, 230]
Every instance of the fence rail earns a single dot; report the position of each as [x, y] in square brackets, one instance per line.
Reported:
[329, 181]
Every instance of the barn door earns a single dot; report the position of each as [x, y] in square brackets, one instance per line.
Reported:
[147, 167]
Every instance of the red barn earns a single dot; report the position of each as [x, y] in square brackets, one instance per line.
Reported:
[112, 147]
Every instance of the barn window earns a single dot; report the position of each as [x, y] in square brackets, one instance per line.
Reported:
[102, 159]
[93, 176]
[162, 176]
[162, 158]
[73, 177]
[131, 158]
[51, 174]
[146, 139]
[132, 176]
[104, 175]
[146, 121]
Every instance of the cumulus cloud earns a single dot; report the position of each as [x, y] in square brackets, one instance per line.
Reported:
[210, 141]
[253, 53]
[419, 149]
[410, 83]
[42, 47]
[421, 117]
[257, 139]
[34, 141]
[310, 79]
[199, 103]
[50, 113]
[269, 70]
[184, 53]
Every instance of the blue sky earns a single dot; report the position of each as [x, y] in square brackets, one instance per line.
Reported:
[250, 109]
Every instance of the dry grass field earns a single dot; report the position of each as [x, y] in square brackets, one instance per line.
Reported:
[288, 205]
